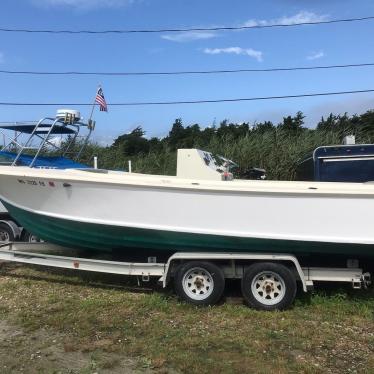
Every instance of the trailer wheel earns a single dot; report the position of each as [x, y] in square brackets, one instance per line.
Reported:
[268, 286]
[199, 283]
[6, 233]
[29, 238]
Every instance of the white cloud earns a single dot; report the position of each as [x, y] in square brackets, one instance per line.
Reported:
[301, 17]
[2, 59]
[237, 51]
[189, 36]
[83, 4]
[315, 55]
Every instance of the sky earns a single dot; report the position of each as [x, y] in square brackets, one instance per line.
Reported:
[344, 43]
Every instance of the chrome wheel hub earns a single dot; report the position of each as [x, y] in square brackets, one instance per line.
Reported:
[4, 236]
[268, 288]
[198, 283]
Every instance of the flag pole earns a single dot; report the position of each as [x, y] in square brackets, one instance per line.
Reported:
[94, 104]
[89, 126]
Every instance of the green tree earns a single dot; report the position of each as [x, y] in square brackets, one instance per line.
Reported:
[133, 143]
[292, 125]
[176, 134]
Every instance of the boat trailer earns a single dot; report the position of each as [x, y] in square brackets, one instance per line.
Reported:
[266, 278]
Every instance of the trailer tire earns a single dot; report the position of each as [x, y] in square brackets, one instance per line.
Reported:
[6, 233]
[29, 238]
[199, 283]
[269, 286]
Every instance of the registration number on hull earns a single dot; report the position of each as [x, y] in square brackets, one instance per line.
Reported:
[32, 182]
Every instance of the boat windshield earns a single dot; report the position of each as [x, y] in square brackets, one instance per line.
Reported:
[221, 163]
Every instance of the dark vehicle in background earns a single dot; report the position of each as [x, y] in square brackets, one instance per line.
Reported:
[254, 174]
[339, 163]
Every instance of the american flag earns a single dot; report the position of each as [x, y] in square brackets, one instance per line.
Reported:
[100, 99]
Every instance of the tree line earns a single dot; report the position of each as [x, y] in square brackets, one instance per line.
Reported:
[278, 148]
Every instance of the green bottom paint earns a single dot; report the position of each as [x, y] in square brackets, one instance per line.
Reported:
[106, 238]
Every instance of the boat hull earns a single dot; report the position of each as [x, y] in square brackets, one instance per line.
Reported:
[118, 211]
[100, 237]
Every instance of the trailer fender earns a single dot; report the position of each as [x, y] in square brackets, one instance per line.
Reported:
[251, 257]
[13, 227]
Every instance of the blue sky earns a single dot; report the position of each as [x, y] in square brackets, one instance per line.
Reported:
[277, 47]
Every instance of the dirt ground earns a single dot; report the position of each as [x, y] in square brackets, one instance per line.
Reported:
[44, 351]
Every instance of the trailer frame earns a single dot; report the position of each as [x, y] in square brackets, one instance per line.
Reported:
[232, 265]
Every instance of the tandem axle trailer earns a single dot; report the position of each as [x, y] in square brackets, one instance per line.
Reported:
[268, 281]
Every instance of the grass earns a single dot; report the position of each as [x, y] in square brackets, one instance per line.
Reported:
[329, 331]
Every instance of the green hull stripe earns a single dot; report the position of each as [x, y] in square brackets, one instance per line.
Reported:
[104, 237]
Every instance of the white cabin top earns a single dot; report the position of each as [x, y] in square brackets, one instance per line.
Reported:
[198, 164]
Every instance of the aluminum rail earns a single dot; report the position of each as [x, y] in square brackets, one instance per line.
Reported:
[14, 252]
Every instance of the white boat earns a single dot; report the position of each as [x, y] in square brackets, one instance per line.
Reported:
[200, 209]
